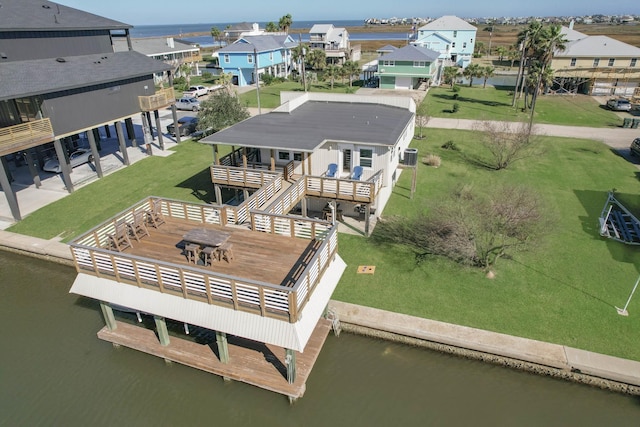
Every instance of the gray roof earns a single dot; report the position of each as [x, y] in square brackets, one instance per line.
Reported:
[387, 48]
[41, 76]
[412, 53]
[572, 34]
[262, 43]
[154, 46]
[42, 15]
[599, 46]
[308, 126]
[448, 23]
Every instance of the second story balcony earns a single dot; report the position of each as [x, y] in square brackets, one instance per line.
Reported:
[25, 135]
[161, 99]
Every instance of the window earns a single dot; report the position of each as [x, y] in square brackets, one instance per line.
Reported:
[388, 63]
[471, 41]
[420, 64]
[464, 45]
[612, 61]
[297, 157]
[366, 157]
[283, 155]
[455, 34]
[633, 62]
[250, 58]
[226, 58]
[596, 62]
[453, 45]
[573, 62]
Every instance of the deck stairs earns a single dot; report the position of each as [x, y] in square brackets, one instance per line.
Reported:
[617, 223]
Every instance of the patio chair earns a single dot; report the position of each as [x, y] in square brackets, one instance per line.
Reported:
[137, 228]
[357, 173]
[332, 170]
[154, 215]
[120, 239]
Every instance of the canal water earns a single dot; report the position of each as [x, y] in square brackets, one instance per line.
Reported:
[54, 371]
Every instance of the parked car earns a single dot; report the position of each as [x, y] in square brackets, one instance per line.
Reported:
[619, 104]
[186, 126]
[77, 158]
[195, 91]
[191, 104]
[635, 147]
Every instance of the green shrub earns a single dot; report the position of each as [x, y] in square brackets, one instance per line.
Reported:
[180, 83]
[455, 108]
[206, 75]
[456, 88]
[450, 145]
[456, 95]
[267, 79]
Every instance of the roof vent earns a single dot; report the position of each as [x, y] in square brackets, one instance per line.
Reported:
[61, 60]
[3, 55]
[46, 6]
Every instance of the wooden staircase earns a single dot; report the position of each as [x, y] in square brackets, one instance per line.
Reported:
[617, 223]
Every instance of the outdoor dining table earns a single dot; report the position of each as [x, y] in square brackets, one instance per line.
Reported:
[206, 237]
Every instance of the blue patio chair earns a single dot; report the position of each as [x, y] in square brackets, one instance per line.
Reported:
[333, 169]
[357, 173]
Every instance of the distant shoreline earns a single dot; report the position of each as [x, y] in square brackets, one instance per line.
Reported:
[358, 29]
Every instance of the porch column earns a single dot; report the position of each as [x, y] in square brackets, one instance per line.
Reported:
[96, 137]
[8, 191]
[174, 114]
[131, 132]
[367, 214]
[272, 166]
[33, 170]
[156, 115]
[223, 347]
[309, 163]
[218, 193]
[107, 131]
[64, 165]
[233, 156]
[95, 153]
[290, 362]
[245, 194]
[216, 155]
[109, 318]
[161, 328]
[244, 157]
[303, 206]
[148, 114]
[123, 145]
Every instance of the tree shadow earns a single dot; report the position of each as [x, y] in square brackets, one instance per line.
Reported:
[467, 100]
[200, 185]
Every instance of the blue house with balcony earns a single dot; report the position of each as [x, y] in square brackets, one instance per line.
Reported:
[452, 37]
[268, 53]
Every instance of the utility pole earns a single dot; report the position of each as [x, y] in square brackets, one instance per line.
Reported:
[255, 67]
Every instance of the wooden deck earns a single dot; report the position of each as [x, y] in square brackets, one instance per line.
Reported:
[258, 256]
[251, 362]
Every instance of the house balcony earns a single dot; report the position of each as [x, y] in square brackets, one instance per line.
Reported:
[25, 135]
[161, 99]
[276, 267]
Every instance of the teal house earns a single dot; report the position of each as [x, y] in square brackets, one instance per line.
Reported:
[266, 54]
[409, 67]
[452, 37]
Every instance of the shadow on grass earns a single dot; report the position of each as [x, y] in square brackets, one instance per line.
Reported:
[200, 185]
[466, 100]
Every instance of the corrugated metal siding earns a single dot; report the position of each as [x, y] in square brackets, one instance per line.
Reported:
[50, 46]
[251, 326]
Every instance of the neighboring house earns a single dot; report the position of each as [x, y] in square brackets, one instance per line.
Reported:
[408, 67]
[596, 65]
[334, 42]
[174, 52]
[270, 54]
[60, 77]
[453, 38]
[312, 130]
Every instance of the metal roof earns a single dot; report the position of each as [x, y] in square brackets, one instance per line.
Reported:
[448, 23]
[252, 326]
[572, 34]
[599, 47]
[411, 53]
[154, 46]
[42, 15]
[262, 43]
[41, 76]
[306, 127]
[387, 48]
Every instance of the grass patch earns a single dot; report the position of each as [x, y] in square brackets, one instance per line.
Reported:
[563, 290]
[494, 103]
[270, 95]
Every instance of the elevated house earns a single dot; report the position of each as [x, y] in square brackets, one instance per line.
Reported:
[171, 51]
[409, 67]
[336, 150]
[596, 65]
[267, 53]
[453, 38]
[59, 77]
[334, 42]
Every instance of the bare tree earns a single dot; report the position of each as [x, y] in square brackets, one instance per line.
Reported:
[421, 122]
[506, 143]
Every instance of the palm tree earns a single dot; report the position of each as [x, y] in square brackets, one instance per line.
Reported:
[478, 49]
[527, 40]
[486, 73]
[502, 52]
[317, 59]
[351, 69]
[472, 70]
[271, 27]
[285, 23]
[551, 40]
[331, 72]
[215, 33]
[297, 56]
[450, 74]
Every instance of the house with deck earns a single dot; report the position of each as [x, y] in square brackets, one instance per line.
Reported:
[596, 65]
[340, 154]
[453, 38]
[261, 54]
[60, 77]
[408, 67]
[334, 42]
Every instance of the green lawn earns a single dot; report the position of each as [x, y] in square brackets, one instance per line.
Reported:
[270, 95]
[478, 103]
[563, 290]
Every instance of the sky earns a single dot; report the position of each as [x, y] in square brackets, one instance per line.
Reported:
[162, 12]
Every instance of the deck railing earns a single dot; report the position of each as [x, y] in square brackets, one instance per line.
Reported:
[345, 189]
[162, 98]
[241, 177]
[288, 199]
[91, 256]
[25, 135]
[240, 214]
